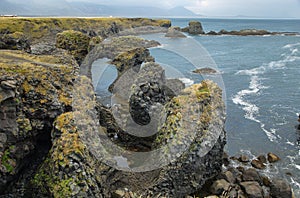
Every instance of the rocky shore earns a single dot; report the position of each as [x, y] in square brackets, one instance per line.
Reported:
[54, 134]
[195, 28]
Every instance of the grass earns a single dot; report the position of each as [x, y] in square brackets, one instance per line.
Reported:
[35, 28]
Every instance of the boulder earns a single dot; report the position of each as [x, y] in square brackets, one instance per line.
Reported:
[244, 159]
[219, 187]
[252, 189]
[228, 176]
[262, 159]
[280, 189]
[251, 175]
[258, 164]
[273, 157]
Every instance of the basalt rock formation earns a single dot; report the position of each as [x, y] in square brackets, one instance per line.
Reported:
[54, 134]
[34, 91]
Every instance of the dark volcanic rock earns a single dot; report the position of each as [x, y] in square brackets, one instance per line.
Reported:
[258, 164]
[245, 32]
[262, 159]
[15, 41]
[252, 189]
[194, 27]
[34, 90]
[244, 159]
[131, 59]
[174, 32]
[212, 33]
[251, 175]
[205, 71]
[280, 189]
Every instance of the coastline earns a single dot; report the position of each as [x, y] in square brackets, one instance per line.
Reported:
[65, 99]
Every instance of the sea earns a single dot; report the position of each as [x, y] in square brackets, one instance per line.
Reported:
[260, 78]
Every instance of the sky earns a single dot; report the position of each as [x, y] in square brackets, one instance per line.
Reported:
[255, 8]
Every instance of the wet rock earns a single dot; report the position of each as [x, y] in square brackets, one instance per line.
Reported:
[273, 158]
[252, 189]
[280, 189]
[258, 164]
[244, 159]
[212, 33]
[262, 159]
[205, 71]
[174, 32]
[266, 181]
[194, 27]
[251, 175]
[219, 187]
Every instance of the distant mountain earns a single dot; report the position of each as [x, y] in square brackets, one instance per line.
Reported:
[180, 11]
[64, 8]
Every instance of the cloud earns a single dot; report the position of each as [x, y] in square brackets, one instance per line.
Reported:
[266, 8]
[154, 3]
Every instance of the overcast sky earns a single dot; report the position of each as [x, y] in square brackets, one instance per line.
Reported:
[261, 8]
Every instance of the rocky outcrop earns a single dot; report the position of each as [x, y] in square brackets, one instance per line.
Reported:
[174, 32]
[14, 41]
[131, 59]
[250, 32]
[246, 32]
[205, 71]
[75, 42]
[34, 91]
[124, 47]
[73, 168]
[38, 35]
[194, 27]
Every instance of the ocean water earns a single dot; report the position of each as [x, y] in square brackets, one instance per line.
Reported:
[260, 76]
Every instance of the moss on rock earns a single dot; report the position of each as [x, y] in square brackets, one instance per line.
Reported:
[35, 28]
[75, 42]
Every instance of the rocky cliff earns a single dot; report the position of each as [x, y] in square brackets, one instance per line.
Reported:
[34, 91]
[56, 140]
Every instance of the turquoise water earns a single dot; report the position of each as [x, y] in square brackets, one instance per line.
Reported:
[260, 76]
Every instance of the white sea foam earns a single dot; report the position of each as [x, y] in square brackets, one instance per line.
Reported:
[291, 45]
[187, 81]
[256, 85]
[255, 71]
[250, 109]
[290, 143]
